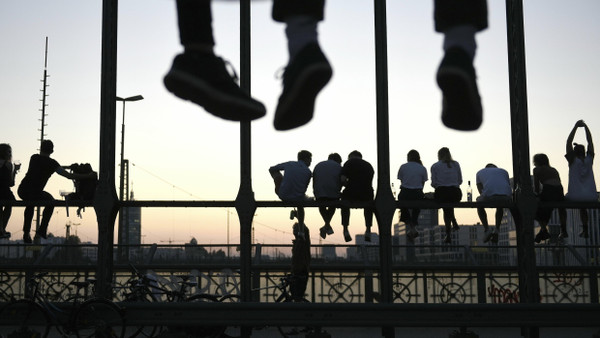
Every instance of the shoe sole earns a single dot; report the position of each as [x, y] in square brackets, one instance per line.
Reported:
[297, 108]
[462, 105]
[219, 104]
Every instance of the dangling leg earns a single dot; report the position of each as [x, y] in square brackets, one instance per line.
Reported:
[308, 70]
[199, 76]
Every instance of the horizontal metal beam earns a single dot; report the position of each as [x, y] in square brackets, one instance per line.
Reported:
[423, 204]
[364, 315]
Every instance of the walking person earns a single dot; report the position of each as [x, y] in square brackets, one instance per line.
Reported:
[8, 170]
[41, 167]
[493, 185]
[292, 184]
[357, 179]
[582, 186]
[326, 187]
[412, 176]
[446, 178]
[547, 186]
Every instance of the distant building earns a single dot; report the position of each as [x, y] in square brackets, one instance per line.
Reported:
[364, 251]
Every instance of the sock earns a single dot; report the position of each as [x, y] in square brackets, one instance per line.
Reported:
[300, 31]
[462, 36]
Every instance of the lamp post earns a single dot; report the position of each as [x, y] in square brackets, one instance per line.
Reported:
[123, 232]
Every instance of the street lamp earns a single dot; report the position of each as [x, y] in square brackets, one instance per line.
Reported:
[124, 230]
[122, 180]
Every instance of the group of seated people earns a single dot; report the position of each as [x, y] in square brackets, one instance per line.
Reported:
[493, 184]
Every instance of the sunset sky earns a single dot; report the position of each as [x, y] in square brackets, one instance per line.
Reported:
[179, 152]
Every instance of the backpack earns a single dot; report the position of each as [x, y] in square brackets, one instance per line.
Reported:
[85, 189]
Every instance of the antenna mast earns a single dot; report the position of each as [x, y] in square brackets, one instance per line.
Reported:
[44, 86]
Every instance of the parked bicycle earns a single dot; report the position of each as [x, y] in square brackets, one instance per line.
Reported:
[36, 315]
[143, 287]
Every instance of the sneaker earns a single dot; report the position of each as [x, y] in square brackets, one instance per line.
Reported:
[584, 234]
[454, 225]
[4, 234]
[304, 77]
[488, 234]
[542, 235]
[347, 236]
[368, 235]
[41, 234]
[27, 238]
[494, 238]
[448, 239]
[326, 230]
[203, 79]
[562, 235]
[461, 104]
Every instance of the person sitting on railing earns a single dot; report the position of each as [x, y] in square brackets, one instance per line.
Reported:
[8, 171]
[357, 179]
[41, 167]
[292, 185]
[446, 178]
[326, 187]
[547, 185]
[493, 184]
[582, 186]
[412, 176]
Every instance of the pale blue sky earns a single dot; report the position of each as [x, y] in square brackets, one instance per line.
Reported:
[180, 143]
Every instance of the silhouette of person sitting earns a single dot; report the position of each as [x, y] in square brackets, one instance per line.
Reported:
[41, 167]
[547, 185]
[412, 176]
[292, 184]
[582, 186]
[326, 187]
[446, 178]
[493, 184]
[8, 171]
[357, 179]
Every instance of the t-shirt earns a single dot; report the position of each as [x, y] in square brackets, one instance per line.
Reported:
[360, 179]
[412, 175]
[295, 180]
[443, 175]
[326, 179]
[495, 181]
[39, 172]
[582, 186]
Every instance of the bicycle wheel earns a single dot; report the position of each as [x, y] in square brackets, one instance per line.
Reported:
[99, 318]
[200, 331]
[145, 330]
[28, 317]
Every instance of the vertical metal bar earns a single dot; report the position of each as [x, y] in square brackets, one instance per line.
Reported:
[525, 200]
[245, 202]
[106, 202]
[385, 205]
